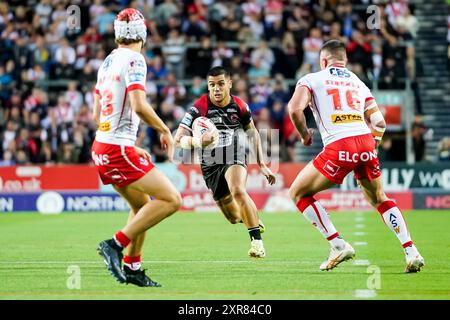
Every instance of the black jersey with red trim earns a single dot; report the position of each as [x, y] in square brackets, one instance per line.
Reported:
[230, 121]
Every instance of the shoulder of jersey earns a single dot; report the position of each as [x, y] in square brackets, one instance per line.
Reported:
[202, 104]
[241, 103]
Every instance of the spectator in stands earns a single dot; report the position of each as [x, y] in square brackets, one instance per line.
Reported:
[418, 131]
[26, 144]
[390, 75]
[6, 84]
[298, 23]
[197, 89]
[157, 70]
[200, 59]
[444, 149]
[359, 50]
[291, 56]
[194, 28]
[63, 111]
[408, 22]
[8, 159]
[229, 25]
[174, 50]
[73, 97]
[173, 91]
[262, 60]
[260, 93]
[311, 48]
[222, 55]
[9, 134]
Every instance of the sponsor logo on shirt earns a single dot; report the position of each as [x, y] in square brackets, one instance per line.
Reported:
[234, 117]
[216, 120]
[345, 118]
[104, 126]
[342, 73]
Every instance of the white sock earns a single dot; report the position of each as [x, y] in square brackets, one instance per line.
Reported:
[314, 212]
[393, 218]
[134, 266]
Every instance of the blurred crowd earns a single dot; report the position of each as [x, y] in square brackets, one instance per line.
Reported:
[266, 44]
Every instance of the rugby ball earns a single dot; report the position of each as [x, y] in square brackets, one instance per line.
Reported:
[202, 125]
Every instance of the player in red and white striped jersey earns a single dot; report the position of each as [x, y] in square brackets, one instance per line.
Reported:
[120, 103]
[351, 126]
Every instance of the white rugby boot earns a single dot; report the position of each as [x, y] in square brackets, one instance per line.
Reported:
[257, 249]
[337, 256]
[414, 261]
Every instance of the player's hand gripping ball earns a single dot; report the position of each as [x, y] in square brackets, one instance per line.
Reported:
[205, 133]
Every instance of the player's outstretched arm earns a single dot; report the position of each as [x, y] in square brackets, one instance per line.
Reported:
[138, 101]
[255, 139]
[298, 103]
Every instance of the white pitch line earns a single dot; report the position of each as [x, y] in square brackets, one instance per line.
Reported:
[365, 293]
[359, 219]
[360, 243]
[360, 226]
[361, 263]
[156, 261]
[359, 233]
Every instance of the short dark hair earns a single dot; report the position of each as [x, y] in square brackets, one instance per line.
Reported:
[217, 71]
[127, 41]
[335, 47]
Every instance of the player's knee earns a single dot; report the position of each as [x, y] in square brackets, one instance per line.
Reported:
[238, 193]
[295, 195]
[377, 199]
[174, 201]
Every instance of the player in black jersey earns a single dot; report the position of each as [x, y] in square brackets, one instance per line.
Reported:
[223, 156]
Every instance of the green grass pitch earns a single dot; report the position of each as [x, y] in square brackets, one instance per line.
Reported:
[202, 256]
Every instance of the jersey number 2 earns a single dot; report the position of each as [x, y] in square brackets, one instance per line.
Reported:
[351, 97]
[107, 107]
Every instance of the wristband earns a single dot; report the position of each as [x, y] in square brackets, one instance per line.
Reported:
[185, 142]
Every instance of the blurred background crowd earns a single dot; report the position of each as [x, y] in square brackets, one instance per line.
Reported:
[48, 64]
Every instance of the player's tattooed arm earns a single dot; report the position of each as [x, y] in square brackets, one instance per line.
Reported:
[298, 103]
[183, 138]
[255, 141]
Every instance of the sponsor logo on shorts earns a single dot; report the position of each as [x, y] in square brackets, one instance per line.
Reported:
[331, 168]
[116, 175]
[143, 161]
[345, 118]
[104, 126]
[100, 159]
[356, 157]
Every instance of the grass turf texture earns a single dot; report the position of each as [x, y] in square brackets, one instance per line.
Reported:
[202, 256]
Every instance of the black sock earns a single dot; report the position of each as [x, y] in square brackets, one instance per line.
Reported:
[255, 233]
[114, 244]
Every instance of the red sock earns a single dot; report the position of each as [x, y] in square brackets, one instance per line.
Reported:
[134, 263]
[129, 259]
[121, 239]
